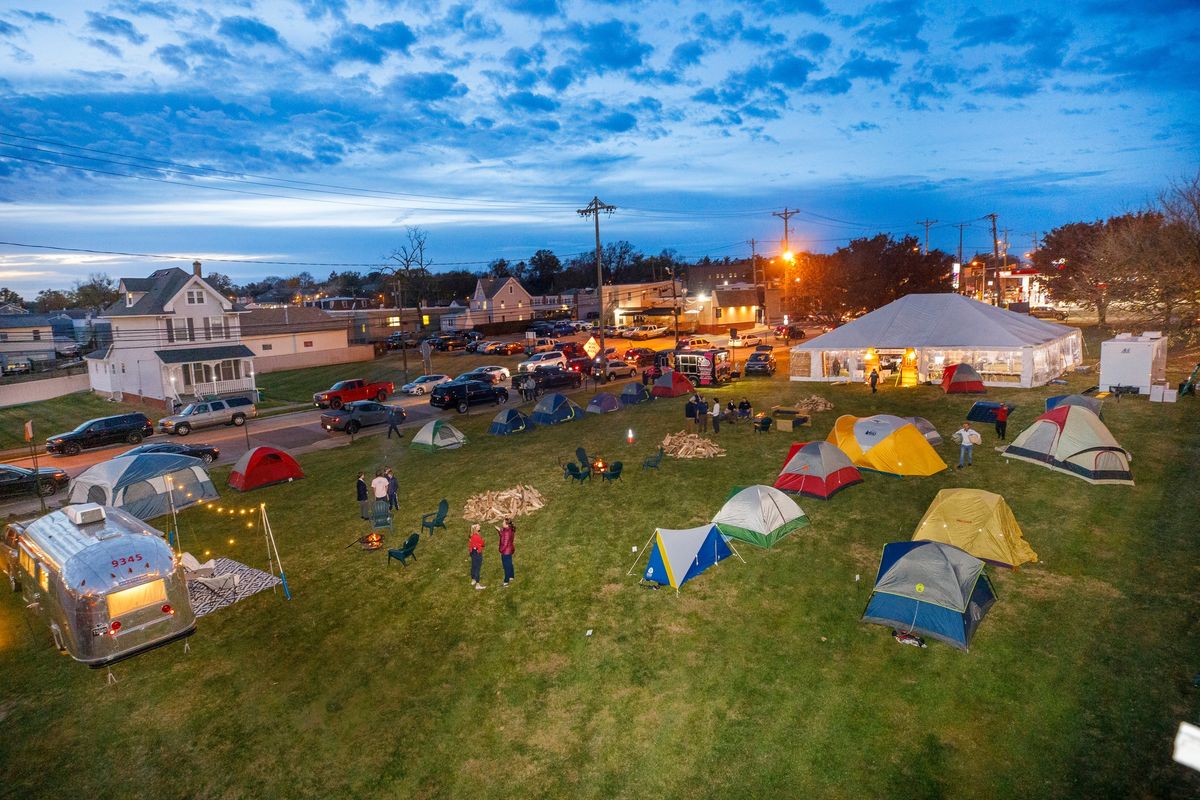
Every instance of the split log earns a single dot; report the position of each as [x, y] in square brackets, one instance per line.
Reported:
[505, 503]
[690, 445]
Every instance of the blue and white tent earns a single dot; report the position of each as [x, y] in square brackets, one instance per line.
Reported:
[635, 393]
[1093, 404]
[677, 556]
[145, 485]
[603, 403]
[555, 408]
[510, 421]
[930, 589]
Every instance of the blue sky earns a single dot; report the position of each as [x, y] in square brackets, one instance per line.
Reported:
[316, 130]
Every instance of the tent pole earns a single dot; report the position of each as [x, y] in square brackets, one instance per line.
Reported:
[174, 513]
[273, 552]
[729, 544]
[639, 556]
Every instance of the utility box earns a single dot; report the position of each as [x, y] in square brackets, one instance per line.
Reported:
[1133, 360]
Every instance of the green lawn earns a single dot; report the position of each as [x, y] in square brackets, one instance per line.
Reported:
[756, 680]
[58, 415]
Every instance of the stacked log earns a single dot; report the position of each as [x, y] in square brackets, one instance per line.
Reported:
[690, 445]
[813, 403]
[506, 503]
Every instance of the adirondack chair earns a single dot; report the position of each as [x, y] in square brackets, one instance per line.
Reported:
[613, 473]
[436, 519]
[405, 551]
[763, 425]
[381, 515]
[578, 474]
[584, 461]
[652, 462]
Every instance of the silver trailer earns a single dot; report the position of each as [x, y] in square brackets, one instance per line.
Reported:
[107, 583]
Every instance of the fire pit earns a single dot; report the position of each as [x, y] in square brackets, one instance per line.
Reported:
[598, 465]
[372, 541]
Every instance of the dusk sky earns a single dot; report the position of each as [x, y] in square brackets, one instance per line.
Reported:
[315, 131]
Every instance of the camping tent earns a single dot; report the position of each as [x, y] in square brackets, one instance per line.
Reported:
[677, 556]
[961, 379]
[144, 485]
[1093, 404]
[509, 421]
[672, 383]
[634, 393]
[885, 443]
[263, 466]
[930, 589]
[603, 403]
[1073, 440]
[438, 435]
[929, 330]
[985, 411]
[979, 522]
[817, 469]
[555, 408]
[927, 430]
[759, 515]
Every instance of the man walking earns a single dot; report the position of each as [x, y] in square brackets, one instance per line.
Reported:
[967, 437]
[395, 417]
[1002, 421]
[874, 379]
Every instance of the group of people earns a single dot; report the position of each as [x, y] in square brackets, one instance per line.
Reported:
[967, 437]
[476, 545]
[700, 411]
[383, 486]
[528, 387]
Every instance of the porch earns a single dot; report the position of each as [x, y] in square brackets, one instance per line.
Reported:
[198, 372]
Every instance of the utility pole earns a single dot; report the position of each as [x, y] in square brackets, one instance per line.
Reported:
[995, 258]
[1004, 252]
[927, 223]
[754, 278]
[785, 215]
[961, 282]
[593, 209]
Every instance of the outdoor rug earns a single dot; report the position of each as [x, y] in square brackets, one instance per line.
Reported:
[250, 581]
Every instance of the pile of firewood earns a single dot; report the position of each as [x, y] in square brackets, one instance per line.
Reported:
[813, 403]
[506, 503]
[689, 445]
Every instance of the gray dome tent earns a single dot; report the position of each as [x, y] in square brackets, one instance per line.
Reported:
[145, 485]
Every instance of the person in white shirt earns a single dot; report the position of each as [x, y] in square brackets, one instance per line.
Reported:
[967, 437]
[380, 485]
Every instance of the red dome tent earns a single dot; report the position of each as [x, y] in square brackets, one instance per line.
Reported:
[263, 466]
[961, 379]
[672, 384]
[817, 469]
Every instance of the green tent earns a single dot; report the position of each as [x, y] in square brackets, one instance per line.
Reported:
[760, 515]
[438, 435]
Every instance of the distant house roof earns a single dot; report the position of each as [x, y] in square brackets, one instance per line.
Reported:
[492, 286]
[288, 319]
[101, 354]
[726, 298]
[184, 355]
[24, 320]
[13, 308]
[158, 289]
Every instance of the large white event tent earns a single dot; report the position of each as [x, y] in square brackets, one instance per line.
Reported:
[920, 334]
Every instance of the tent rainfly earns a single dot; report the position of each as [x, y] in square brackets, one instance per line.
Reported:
[263, 466]
[438, 435]
[961, 379]
[555, 408]
[509, 421]
[1093, 404]
[980, 523]
[634, 393]
[927, 430]
[677, 556]
[603, 403]
[1073, 440]
[933, 330]
[817, 469]
[672, 383]
[760, 515]
[145, 485]
[885, 443]
[985, 411]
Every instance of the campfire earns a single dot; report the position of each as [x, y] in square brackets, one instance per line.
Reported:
[598, 465]
[372, 541]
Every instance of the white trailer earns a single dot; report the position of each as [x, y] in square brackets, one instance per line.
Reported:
[1129, 360]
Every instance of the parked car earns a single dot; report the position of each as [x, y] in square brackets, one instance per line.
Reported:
[462, 395]
[760, 364]
[639, 356]
[132, 428]
[16, 481]
[17, 367]
[609, 354]
[497, 374]
[693, 343]
[556, 378]
[449, 344]
[580, 364]
[792, 331]
[540, 345]
[205, 452]
[564, 328]
[230, 411]
[360, 414]
[510, 348]
[547, 359]
[647, 332]
[400, 339]
[1047, 312]
[66, 348]
[745, 340]
[424, 384]
[571, 349]
[344, 392]
[618, 368]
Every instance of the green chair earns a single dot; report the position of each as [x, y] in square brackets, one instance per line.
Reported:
[381, 515]
[652, 462]
[763, 425]
[578, 474]
[405, 551]
[436, 519]
[584, 461]
[613, 473]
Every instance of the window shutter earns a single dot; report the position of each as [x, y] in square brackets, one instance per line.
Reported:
[207, 329]
[170, 330]
[191, 329]
[225, 320]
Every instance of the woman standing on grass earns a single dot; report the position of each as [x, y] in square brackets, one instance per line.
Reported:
[475, 546]
[507, 533]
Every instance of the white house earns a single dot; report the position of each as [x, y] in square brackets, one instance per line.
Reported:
[24, 339]
[174, 337]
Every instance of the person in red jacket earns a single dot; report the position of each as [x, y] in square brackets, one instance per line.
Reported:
[1001, 420]
[475, 546]
[507, 533]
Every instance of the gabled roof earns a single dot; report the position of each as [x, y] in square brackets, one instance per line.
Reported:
[288, 319]
[184, 355]
[24, 320]
[158, 289]
[939, 320]
[492, 286]
[726, 298]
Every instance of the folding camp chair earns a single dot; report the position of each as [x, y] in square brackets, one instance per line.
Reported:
[192, 568]
[405, 551]
[436, 519]
[219, 585]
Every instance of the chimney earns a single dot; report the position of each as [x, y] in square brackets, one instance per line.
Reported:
[196, 268]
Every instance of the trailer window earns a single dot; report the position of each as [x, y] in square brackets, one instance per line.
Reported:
[43, 577]
[27, 562]
[136, 597]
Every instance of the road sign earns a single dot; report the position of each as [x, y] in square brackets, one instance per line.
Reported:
[591, 347]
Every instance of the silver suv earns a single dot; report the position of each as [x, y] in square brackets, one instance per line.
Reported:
[229, 411]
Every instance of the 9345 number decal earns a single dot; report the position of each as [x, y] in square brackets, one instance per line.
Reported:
[130, 559]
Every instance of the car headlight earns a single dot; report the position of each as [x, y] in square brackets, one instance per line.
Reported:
[56, 441]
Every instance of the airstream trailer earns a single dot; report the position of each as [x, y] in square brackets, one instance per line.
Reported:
[107, 583]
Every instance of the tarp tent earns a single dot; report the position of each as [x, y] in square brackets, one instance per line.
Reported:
[555, 408]
[817, 469]
[263, 466]
[929, 330]
[438, 435]
[1093, 404]
[144, 485]
[603, 403]
[509, 421]
[985, 411]
[1073, 440]
[885, 443]
[672, 383]
[980, 523]
[930, 589]
[759, 515]
[634, 393]
[927, 430]
[677, 556]
[961, 379]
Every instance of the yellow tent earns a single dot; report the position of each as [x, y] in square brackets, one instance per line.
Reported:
[980, 523]
[885, 443]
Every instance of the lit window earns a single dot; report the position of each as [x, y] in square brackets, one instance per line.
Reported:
[135, 597]
[393, 322]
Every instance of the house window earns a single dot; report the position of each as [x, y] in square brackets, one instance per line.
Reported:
[122, 367]
[393, 322]
[3, 337]
[308, 344]
[195, 297]
[266, 347]
[128, 299]
[37, 335]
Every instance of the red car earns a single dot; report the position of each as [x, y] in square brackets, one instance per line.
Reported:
[639, 356]
[344, 392]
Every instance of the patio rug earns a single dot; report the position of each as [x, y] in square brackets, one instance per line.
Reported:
[250, 581]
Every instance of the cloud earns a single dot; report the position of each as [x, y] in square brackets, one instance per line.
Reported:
[148, 8]
[38, 16]
[8, 29]
[814, 7]
[896, 25]
[357, 42]
[119, 27]
[863, 127]
[1143, 8]
[790, 71]
[173, 56]
[863, 66]
[832, 85]
[105, 46]
[429, 86]
[473, 26]
[529, 101]
[249, 31]
[560, 78]
[607, 46]
[987, 30]
[616, 122]
[687, 54]
[1015, 89]
[534, 8]
[918, 91]
[814, 42]
[317, 9]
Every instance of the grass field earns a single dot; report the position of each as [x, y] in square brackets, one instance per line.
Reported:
[755, 680]
[57, 416]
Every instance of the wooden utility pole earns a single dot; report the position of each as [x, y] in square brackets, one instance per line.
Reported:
[785, 215]
[995, 259]
[593, 209]
[758, 288]
[961, 270]
[927, 223]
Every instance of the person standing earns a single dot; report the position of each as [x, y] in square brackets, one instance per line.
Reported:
[393, 491]
[364, 508]
[1002, 421]
[395, 417]
[475, 547]
[716, 415]
[507, 533]
[874, 379]
[702, 415]
[379, 485]
[967, 437]
[689, 410]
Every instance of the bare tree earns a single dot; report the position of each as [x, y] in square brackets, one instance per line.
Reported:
[411, 272]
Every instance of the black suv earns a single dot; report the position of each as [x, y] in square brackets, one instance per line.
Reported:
[462, 394]
[454, 342]
[555, 377]
[131, 428]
